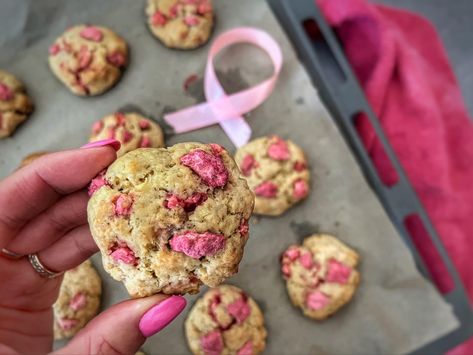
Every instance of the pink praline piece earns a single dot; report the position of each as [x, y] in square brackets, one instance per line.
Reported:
[239, 309]
[209, 167]
[338, 272]
[300, 189]
[78, 301]
[266, 189]
[124, 254]
[279, 150]
[212, 343]
[66, 323]
[54, 49]
[6, 94]
[123, 205]
[158, 19]
[246, 349]
[92, 33]
[197, 245]
[306, 260]
[247, 164]
[191, 20]
[317, 300]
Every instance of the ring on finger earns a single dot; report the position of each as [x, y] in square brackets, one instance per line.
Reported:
[11, 255]
[42, 270]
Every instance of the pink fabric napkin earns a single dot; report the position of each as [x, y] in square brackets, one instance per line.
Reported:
[405, 73]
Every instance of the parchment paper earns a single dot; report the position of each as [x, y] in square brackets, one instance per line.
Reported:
[395, 310]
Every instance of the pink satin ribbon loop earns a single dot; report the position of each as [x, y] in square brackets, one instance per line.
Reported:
[228, 110]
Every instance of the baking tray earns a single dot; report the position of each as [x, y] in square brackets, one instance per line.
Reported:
[323, 59]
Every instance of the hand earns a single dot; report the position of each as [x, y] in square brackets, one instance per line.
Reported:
[43, 210]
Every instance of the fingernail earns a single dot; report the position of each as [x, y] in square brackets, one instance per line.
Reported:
[111, 142]
[161, 315]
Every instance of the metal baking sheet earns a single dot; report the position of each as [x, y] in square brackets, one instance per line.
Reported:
[395, 310]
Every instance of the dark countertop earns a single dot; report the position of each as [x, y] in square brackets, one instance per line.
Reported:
[455, 26]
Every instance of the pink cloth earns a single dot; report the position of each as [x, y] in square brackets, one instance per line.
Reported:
[403, 68]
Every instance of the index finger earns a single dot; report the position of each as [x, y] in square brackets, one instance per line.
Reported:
[32, 189]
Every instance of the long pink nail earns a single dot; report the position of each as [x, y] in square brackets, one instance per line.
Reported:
[111, 142]
[161, 315]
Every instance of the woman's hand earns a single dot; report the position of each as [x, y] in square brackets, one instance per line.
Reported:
[43, 211]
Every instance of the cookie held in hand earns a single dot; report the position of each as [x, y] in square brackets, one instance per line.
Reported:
[170, 219]
[225, 321]
[320, 275]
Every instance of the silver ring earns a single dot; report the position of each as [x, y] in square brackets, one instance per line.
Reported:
[10, 254]
[41, 269]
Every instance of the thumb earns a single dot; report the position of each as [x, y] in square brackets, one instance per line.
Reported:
[123, 328]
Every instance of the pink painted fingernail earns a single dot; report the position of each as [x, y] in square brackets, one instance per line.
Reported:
[161, 315]
[111, 142]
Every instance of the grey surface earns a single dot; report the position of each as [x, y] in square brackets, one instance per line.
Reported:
[395, 309]
[452, 20]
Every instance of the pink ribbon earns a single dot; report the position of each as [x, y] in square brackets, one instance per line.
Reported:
[228, 110]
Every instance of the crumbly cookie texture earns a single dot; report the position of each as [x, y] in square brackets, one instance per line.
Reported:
[88, 59]
[320, 275]
[15, 105]
[182, 24]
[131, 129]
[31, 157]
[225, 321]
[78, 301]
[276, 171]
[169, 219]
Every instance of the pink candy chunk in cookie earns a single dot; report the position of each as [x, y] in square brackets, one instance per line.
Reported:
[246, 349]
[54, 49]
[92, 33]
[123, 204]
[338, 272]
[78, 301]
[306, 260]
[300, 189]
[279, 150]
[191, 20]
[122, 253]
[248, 164]
[158, 19]
[212, 343]
[267, 189]
[197, 245]
[97, 183]
[209, 167]
[6, 94]
[117, 58]
[189, 204]
[66, 323]
[317, 300]
[239, 309]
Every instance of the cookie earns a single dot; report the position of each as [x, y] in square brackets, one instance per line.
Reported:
[277, 173]
[182, 24]
[15, 105]
[225, 321]
[31, 157]
[320, 275]
[169, 219]
[78, 301]
[88, 59]
[131, 129]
